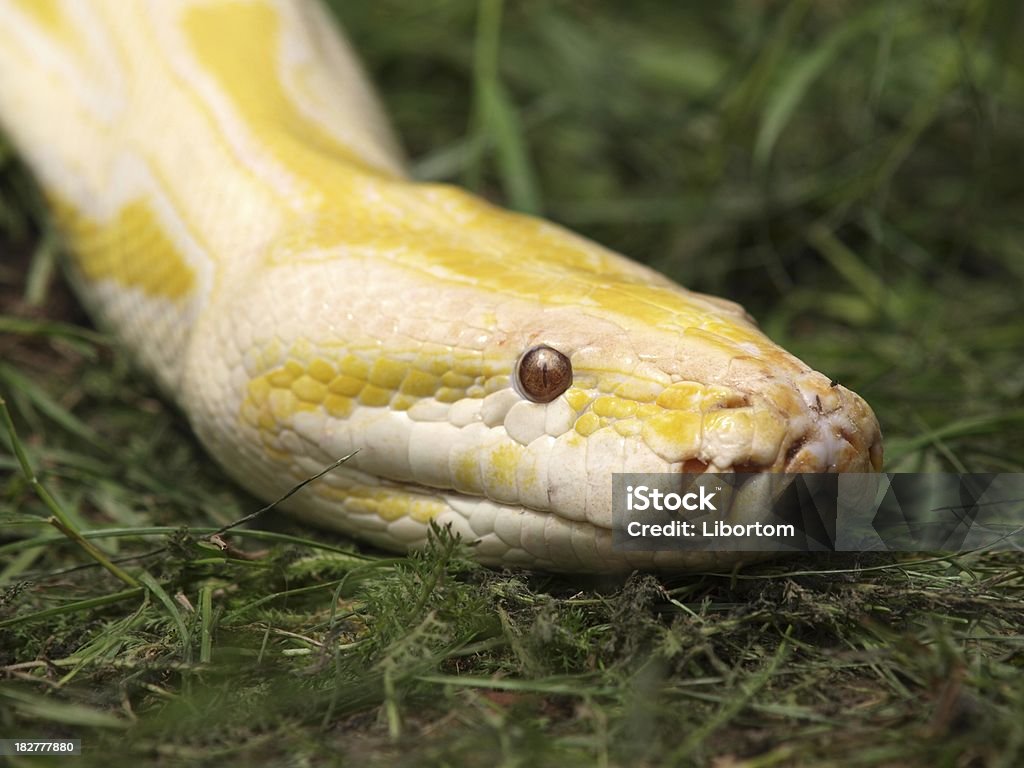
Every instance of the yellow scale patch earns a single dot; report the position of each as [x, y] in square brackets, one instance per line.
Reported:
[674, 424]
[273, 398]
[239, 44]
[472, 242]
[671, 426]
[49, 16]
[387, 503]
[304, 384]
[131, 249]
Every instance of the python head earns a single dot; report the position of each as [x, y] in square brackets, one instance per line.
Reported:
[493, 377]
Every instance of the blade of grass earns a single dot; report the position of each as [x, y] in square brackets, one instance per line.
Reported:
[74, 607]
[46, 709]
[60, 519]
[50, 407]
[794, 86]
[498, 117]
[206, 619]
[41, 269]
[160, 594]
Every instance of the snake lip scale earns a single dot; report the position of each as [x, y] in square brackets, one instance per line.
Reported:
[237, 212]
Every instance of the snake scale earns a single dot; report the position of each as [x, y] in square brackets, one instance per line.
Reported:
[237, 213]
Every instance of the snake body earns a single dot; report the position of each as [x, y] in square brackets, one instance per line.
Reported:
[237, 212]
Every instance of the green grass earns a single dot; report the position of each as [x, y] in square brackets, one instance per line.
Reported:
[850, 172]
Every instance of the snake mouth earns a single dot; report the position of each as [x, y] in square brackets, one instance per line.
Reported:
[564, 538]
[825, 448]
[833, 431]
[845, 438]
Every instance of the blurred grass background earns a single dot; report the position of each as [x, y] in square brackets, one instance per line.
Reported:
[850, 172]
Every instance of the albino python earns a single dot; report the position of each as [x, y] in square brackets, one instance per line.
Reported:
[237, 213]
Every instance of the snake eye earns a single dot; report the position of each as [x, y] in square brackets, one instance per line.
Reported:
[542, 374]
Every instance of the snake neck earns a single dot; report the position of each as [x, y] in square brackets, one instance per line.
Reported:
[203, 133]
